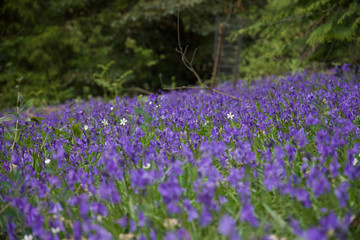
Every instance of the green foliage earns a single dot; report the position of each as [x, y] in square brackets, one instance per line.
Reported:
[63, 48]
[54, 46]
[57, 46]
[292, 35]
[14, 132]
[113, 86]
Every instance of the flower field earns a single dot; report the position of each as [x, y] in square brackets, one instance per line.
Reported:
[282, 163]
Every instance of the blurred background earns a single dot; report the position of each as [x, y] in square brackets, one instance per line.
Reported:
[66, 49]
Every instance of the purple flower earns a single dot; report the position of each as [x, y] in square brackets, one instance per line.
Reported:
[77, 230]
[191, 211]
[311, 120]
[59, 153]
[170, 236]
[132, 226]
[274, 174]
[98, 208]
[141, 178]
[318, 183]
[342, 194]
[175, 169]
[122, 222]
[171, 192]
[183, 234]
[291, 152]
[279, 153]
[38, 226]
[301, 138]
[83, 206]
[206, 193]
[11, 229]
[108, 191]
[142, 219]
[98, 232]
[295, 226]
[227, 225]
[235, 176]
[346, 67]
[55, 208]
[247, 215]
[329, 222]
[303, 196]
[205, 217]
[223, 200]
[152, 235]
[314, 234]
[351, 171]
[334, 168]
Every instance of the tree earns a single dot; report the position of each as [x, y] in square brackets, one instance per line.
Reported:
[57, 46]
[300, 34]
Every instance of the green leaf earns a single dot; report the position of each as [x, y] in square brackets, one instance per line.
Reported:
[6, 119]
[5, 185]
[36, 119]
[71, 119]
[58, 132]
[275, 216]
[26, 106]
[21, 99]
[320, 34]
[13, 113]
[10, 212]
[139, 98]
[148, 118]
[353, 8]
[76, 130]
[131, 207]
[48, 170]
[139, 110]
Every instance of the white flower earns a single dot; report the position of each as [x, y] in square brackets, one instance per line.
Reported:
[356, 161]
[86, 127]
[47, 161]
[55, 230]
[28, 237]
[123, 121]
[170, 223]
[230, 116]
[13, 167]
[111, 108]
[126, 236]
[105, 122]
[146, 166]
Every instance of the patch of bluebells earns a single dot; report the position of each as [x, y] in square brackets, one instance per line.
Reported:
[283, 162]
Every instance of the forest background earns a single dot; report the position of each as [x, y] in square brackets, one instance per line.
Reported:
[66, 49]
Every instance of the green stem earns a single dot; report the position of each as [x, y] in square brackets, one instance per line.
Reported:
[17, 120]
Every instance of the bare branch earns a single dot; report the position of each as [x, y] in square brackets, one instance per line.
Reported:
[219, 45]
[192, 59]
[160, 77]
[188, 65]
[186, 48]
[184, 87]
[137, 89]
[178, 31]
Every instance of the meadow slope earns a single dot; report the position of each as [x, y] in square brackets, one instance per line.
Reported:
[282, 163]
